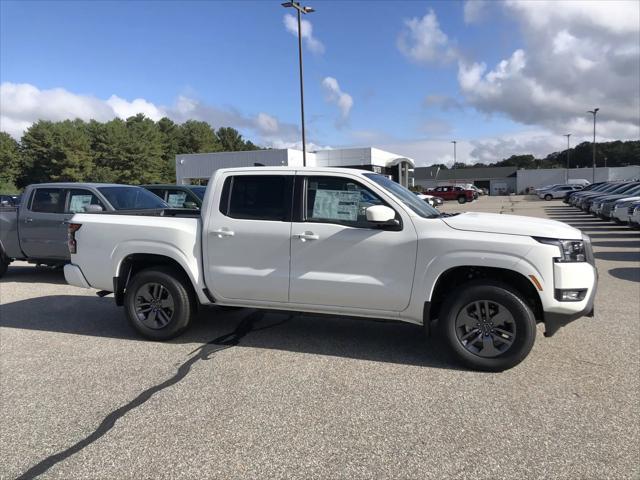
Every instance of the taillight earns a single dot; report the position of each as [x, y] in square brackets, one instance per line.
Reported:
[71, 237]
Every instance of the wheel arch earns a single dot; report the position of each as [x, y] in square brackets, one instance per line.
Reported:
[457, 276]
[132, 263]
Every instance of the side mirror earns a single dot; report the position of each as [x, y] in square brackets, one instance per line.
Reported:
[380, 214]
[93, 209]
[191, 205]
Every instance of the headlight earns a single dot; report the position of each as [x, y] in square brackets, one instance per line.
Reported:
[570, 250]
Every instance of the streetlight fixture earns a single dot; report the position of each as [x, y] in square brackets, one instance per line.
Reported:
[300, 10]
[594, 112]
[566, 177]
[454, 153]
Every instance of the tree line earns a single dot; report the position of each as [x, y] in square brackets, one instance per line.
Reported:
[137, 150]
[613, 154]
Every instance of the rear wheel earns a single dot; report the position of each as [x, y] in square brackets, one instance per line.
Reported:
[158, 303]
[462, 199]
[487, 326]
[4, 263]
[548, 197]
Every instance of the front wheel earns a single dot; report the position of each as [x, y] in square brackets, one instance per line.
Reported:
[548, 197]
[462, 199]
[158, 303]
[487, 326]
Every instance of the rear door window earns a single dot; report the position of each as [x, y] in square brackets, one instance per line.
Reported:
[48, 200]
[258, 197]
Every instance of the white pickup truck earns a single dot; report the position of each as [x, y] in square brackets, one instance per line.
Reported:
[344, 242]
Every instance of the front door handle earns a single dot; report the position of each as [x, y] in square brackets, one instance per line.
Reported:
[306, 236]
[223, 232]
[28, 220]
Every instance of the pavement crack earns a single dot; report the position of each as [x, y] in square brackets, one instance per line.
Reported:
[204, 352]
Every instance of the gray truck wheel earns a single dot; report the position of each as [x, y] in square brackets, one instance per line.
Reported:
[158, 303]
[487, 326]
[4, 263]
[548, 197]
[3, 267]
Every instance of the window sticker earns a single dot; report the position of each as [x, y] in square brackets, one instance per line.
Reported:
[336, 205]
[177, 199]
[79, 203]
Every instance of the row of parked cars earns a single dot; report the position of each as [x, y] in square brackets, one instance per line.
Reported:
[617, 201]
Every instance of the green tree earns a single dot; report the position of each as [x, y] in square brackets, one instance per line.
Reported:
[9, 163]
[198, 137]
[230, 139]
[143, 161]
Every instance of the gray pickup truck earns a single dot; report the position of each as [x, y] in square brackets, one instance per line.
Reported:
[36, 230]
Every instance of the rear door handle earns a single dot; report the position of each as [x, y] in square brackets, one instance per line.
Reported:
[306, 236]
[28, 220]
[223, 232]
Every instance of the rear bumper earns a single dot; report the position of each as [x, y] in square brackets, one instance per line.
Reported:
[73, 275]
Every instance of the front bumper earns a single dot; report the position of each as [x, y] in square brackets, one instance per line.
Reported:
[554, 321]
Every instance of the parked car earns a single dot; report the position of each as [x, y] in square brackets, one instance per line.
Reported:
[579, 181]
[570, 195]
[623, 209]
[179, 196]
[9, 200]
[297, 239]
[453, 192]
[430, 199]
[584, 203]
[608, 204]
[595, 204]
[558, 191]
[36, 231]
[634, 217]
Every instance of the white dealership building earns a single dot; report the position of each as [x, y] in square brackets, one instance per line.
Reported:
[200, 166]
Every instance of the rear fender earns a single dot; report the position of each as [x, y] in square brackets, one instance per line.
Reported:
[188, 262]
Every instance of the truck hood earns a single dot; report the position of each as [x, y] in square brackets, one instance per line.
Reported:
[512, 225]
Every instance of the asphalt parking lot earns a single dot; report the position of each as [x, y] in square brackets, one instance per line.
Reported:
[246, 394]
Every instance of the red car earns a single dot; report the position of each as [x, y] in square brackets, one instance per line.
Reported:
[453, 192]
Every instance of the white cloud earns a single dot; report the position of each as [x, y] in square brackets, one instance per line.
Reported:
[474, 11]
[422, 41]
[21, 104]
[343, 100]
[576, 56]
[291, 24]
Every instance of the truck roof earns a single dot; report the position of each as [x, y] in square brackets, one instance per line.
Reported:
[356, 171]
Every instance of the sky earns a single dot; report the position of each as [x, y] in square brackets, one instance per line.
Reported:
[500, 78]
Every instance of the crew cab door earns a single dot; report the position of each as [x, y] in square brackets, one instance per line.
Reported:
[340, 259]
[42, 228]
[246, 237]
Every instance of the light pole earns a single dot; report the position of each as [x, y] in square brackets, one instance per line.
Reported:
[454, 153]
[594, 112]
[300, 10]
[566, 177]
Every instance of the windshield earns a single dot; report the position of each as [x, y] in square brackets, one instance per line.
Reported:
[623, 188]
[132, 198]
[199, 191]
[405, 195]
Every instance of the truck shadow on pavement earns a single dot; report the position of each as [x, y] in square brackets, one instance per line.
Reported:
[353, 338]
[33, 274]
[626, 273]
[364, 339]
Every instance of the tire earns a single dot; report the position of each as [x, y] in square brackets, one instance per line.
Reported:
[4, 263]
[485, 348]
[166, 293]
[548, 197]
[462, 200]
